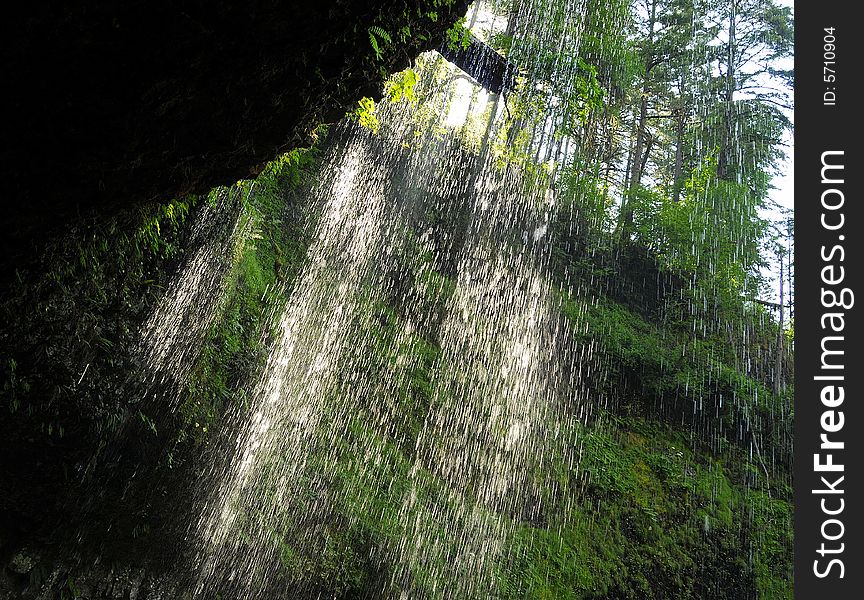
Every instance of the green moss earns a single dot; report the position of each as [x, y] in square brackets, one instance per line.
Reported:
[258, 285]
[654, 510]
[659, 518]
[772, 527]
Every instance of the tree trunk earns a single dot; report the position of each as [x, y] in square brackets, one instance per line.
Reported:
[637, 165]
[634, 179]
[678, 170]
[778, 365]
[724, 170]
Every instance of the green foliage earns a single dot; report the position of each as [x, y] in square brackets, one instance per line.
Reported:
[655, 504]
[364, 114]
[458, 36]
[401, 85]
[772, 524]
[651, 511]
[658, 519]
[723, 260]
[173, 214]
[606, 45]
[669, 496]
[76, 306]
[258, 284]
[501, 42]
[375, 34]
[586, 204]
[586, 98]
[404, 33]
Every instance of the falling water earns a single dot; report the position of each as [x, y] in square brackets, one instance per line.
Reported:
[495, 410]
[175, 330]
[431, 252]
[521, 353]
[290, 402]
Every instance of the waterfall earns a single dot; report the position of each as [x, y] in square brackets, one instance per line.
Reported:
[495, 413]
[174, 332]
[475, 343]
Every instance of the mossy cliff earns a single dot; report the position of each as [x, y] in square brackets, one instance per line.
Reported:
[666, 500]
[673, 480]
[92, 443]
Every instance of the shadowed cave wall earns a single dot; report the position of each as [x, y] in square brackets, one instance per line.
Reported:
[108, 104]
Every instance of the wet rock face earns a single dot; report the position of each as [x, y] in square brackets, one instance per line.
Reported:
[108, 103]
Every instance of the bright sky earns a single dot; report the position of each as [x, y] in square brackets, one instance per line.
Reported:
[783, 194]
[784, 184]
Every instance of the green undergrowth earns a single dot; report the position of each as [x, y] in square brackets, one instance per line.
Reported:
[77, 304]
[670, 495]
[75, 406]
[649, 512]
[276, 220]
[653, 507]
[651, 516]
[72, 318]
[71, 323]
[361, 467]
[654, 367]
[687, 485]
[659, 517]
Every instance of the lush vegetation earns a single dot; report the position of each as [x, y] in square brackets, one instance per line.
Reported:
[277, 230]
[656, 128]
[682, 487]
[114, 449]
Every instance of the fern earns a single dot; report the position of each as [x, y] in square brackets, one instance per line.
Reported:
[376, 32]
[402, 85]
[404, 34]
